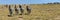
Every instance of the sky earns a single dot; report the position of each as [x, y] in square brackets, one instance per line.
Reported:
[27, 1]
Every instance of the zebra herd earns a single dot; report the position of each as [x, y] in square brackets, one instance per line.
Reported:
[28, 9]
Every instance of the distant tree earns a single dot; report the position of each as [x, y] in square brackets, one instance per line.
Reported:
[56, 3]
[49, 3]
[6, 6]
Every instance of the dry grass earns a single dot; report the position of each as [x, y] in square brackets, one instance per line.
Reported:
[39, 12]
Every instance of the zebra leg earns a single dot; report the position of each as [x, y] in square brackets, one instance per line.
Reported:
[10, 14]
[17, 12]
[29, 11]
[22, 11]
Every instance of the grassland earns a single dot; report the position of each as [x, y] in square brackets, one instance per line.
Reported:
[39, 12]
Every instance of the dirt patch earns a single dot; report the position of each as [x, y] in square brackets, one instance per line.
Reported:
[57, 18]
[20, 18]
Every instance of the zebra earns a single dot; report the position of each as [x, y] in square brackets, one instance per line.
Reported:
[28, 9]
[10, 11]
[21, 9]
[16, 10]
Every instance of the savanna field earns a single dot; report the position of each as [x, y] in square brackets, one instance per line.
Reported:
[38, 12]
